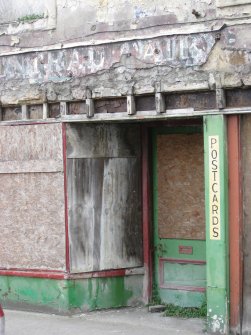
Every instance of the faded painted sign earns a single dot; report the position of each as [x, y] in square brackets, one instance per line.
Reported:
[175, 51]
[214, 188]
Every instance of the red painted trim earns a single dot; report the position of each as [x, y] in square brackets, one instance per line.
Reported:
[64, 275]
[178, 287]
[33, 274]
[181, 261]
[67, 244]
[1, 312]
[235, 221]
[146, 215]
[184, 288]
[28, 123]
[99, 274]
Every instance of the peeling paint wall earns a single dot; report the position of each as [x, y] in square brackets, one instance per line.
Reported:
[32, 197]
[114, 46]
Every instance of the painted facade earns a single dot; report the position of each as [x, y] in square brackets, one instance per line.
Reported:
[125, 155]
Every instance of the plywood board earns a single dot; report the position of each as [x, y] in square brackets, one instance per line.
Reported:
[32, 221]
[31, 148]
[180, 171]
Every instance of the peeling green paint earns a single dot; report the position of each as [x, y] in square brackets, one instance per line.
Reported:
[217, 245]
[70, 296]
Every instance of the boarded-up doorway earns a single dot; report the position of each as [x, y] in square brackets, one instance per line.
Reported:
[179, 222]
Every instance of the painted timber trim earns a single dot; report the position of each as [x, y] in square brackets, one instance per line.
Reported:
[235, 223]
[162, 261]
[65, 275]
[150, 115]
[67, 243]
[216, 244]
[147, 290]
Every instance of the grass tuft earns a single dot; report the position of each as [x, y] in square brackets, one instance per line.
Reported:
[30, 18]
[186, 312]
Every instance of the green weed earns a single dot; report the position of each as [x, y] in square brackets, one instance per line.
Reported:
[186, 312]
[30, 18]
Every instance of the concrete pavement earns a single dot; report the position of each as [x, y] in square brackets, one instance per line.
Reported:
[126, 321]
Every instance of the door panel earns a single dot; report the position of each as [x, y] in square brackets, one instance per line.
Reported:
[179, 221]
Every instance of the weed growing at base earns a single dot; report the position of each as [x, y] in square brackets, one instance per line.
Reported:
[186, 312]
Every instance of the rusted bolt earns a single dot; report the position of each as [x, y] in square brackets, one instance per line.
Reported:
[156, 51]
[218, 36]
[196, 13]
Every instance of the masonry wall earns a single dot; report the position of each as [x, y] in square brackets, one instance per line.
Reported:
[199, 45]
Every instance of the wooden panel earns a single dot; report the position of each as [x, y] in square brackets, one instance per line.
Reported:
[35, 112]
[54, 110]
[198, 101]
[110, 105]
[180, 170]
[31, 148]
[238, 98]
[32, 221]
[102, 141]
[12, 113]
[104, 213]
[145, 103]
[78, 107]
[246, 164]
[182, 274]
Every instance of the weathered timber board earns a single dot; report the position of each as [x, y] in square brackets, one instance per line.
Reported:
[102, 140]
[104, 212]
[104, 200]
[180, 170]
[246, 163]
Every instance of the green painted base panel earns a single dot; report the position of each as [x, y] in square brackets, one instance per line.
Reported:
[70, 296]
[182, 298]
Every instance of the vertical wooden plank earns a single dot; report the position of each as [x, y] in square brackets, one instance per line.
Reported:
[147, 292]
[25, 112]
[235, 223]
[45, 110]
[160, 103]
[216, 205]
[67, 247]
[131, 107]
[220, 98]
[246, 240]
[91, 109]
[63, 108]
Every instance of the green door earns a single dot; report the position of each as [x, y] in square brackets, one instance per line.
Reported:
[179, 216]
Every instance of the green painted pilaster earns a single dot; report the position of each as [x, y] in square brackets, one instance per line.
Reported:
[216, 205]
